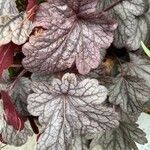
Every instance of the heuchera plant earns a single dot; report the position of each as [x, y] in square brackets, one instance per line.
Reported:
[73, 73]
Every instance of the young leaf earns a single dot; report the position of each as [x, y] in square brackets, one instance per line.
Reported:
[6, 57]
[122, 138]
[13, 137]
[130, 92]
[69, 107]
[14, 27]
[11, 115]
[73, 33]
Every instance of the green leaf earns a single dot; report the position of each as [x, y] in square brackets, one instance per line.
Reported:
[147, 51]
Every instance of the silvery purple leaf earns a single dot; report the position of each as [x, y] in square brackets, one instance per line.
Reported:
[67, 107]
[122, 138]
[15, 137]
[130, 93]
[133, 26]
[72, 33]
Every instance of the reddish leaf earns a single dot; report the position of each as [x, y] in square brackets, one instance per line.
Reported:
[6, 56]
[11, 115]
[31, 8]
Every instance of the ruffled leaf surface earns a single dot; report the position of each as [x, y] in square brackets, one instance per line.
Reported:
[69, 107]
[138, 66]
[127, 117]
[14, 137]
[130, 93]
[8, 7]
[133, 26]
[122, 138]
[73, 32]
[14, 26]
[133, 22]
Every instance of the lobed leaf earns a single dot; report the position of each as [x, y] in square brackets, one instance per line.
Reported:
[133, 26]
[73, 32]
[138, 66]
[133, 22]
[14, 26]
[130, 93]
[122, 138]
[67, 108]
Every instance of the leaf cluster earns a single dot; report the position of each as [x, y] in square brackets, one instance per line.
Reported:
[73, 72]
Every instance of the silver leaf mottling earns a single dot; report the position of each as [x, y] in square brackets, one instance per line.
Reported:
[70, 36]
[122, 138]
[14, 26]
[69, 107]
